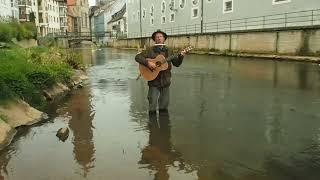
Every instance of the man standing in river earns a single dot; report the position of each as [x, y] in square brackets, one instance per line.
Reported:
[158, 93]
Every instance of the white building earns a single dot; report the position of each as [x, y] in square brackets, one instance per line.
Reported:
[14, 9]
[8, 10]
[53, 16]
[28, 11]
[118, 24]
[49, 21]
[5, 9]
[102, 16]
[63, 15]
[211, 16]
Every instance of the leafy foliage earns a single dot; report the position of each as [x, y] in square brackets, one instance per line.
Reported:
[25, 73]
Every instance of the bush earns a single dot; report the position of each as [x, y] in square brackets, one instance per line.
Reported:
[5, 92]
[17, 30]
[41, 78]
[30, 30]
[46, 41]
[5, 32]
[25, 73]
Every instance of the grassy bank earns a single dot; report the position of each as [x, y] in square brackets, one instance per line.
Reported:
[18, 31]
[25, 73]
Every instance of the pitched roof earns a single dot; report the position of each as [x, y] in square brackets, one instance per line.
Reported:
[118, 15]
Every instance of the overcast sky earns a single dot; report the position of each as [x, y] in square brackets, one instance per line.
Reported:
[91, 2]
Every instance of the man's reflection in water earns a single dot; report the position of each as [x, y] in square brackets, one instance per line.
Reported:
[159, 154]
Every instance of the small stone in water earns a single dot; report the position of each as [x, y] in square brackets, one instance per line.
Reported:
[63, 134]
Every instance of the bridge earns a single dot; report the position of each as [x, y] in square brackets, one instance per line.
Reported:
[73, 38]
[81, 35]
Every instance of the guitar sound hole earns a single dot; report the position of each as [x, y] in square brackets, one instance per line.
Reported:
[158, 64]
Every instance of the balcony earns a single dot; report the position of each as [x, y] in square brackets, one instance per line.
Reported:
[63, 24]
[43, 22]
[40, 8]
[24, 3]
[23, 17]
[62, 14]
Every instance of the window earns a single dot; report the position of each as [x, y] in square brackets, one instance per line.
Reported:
[182, 3]
[280, 1]
[151, 21]
[163, 6]
[194, 12]
[138, 17]
[172, 5]
[151, 11]
[163, 19]
[227, 6]
[143, 13]
[172, 17]
[85, 19]
[134, 16]
[195, 2]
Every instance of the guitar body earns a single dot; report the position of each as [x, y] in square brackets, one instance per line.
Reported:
[149, 74]
[161, 63]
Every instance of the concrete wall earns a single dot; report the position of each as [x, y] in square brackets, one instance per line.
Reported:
[27, 43]
[254, 42]
[290, 42]
[314, 42]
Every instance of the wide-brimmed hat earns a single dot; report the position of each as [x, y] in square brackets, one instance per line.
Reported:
[159, 31]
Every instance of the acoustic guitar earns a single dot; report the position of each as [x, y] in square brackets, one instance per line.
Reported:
[161, 65]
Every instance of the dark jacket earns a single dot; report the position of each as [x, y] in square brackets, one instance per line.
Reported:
[164, 77]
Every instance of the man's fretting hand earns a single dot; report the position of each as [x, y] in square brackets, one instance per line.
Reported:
[182, 53]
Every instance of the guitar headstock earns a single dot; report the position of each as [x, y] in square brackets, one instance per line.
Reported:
[187, 49]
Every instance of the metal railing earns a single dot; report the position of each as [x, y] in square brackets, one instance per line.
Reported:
[79, 35]
[63, 24]
[88, 35]
[24, 2]
[284, 20]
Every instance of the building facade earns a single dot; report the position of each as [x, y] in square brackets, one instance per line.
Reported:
[118, 24]
[200, 16]
[77, 16]
[84, 9]
[28, 11]
[14, 9]
[62, 15]
[102, 16]
[48, 11]
[8, 10]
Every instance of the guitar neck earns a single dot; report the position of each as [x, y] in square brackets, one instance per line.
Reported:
[176, 55]
[169, 59]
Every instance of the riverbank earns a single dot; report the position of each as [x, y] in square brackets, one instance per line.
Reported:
[310, 59]
[30, 79]
[297, 44]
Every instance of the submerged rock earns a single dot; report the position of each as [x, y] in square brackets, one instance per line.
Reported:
[63, 134]
[6, 134]
[57, 90]
[19, 113]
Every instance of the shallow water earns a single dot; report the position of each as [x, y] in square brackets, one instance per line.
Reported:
[229, 118]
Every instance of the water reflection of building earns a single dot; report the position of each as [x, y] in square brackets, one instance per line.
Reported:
[79, 108]
[87, 55]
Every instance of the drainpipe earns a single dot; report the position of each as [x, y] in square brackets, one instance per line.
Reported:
[140, 26]
[201, 16]
[140, 21]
